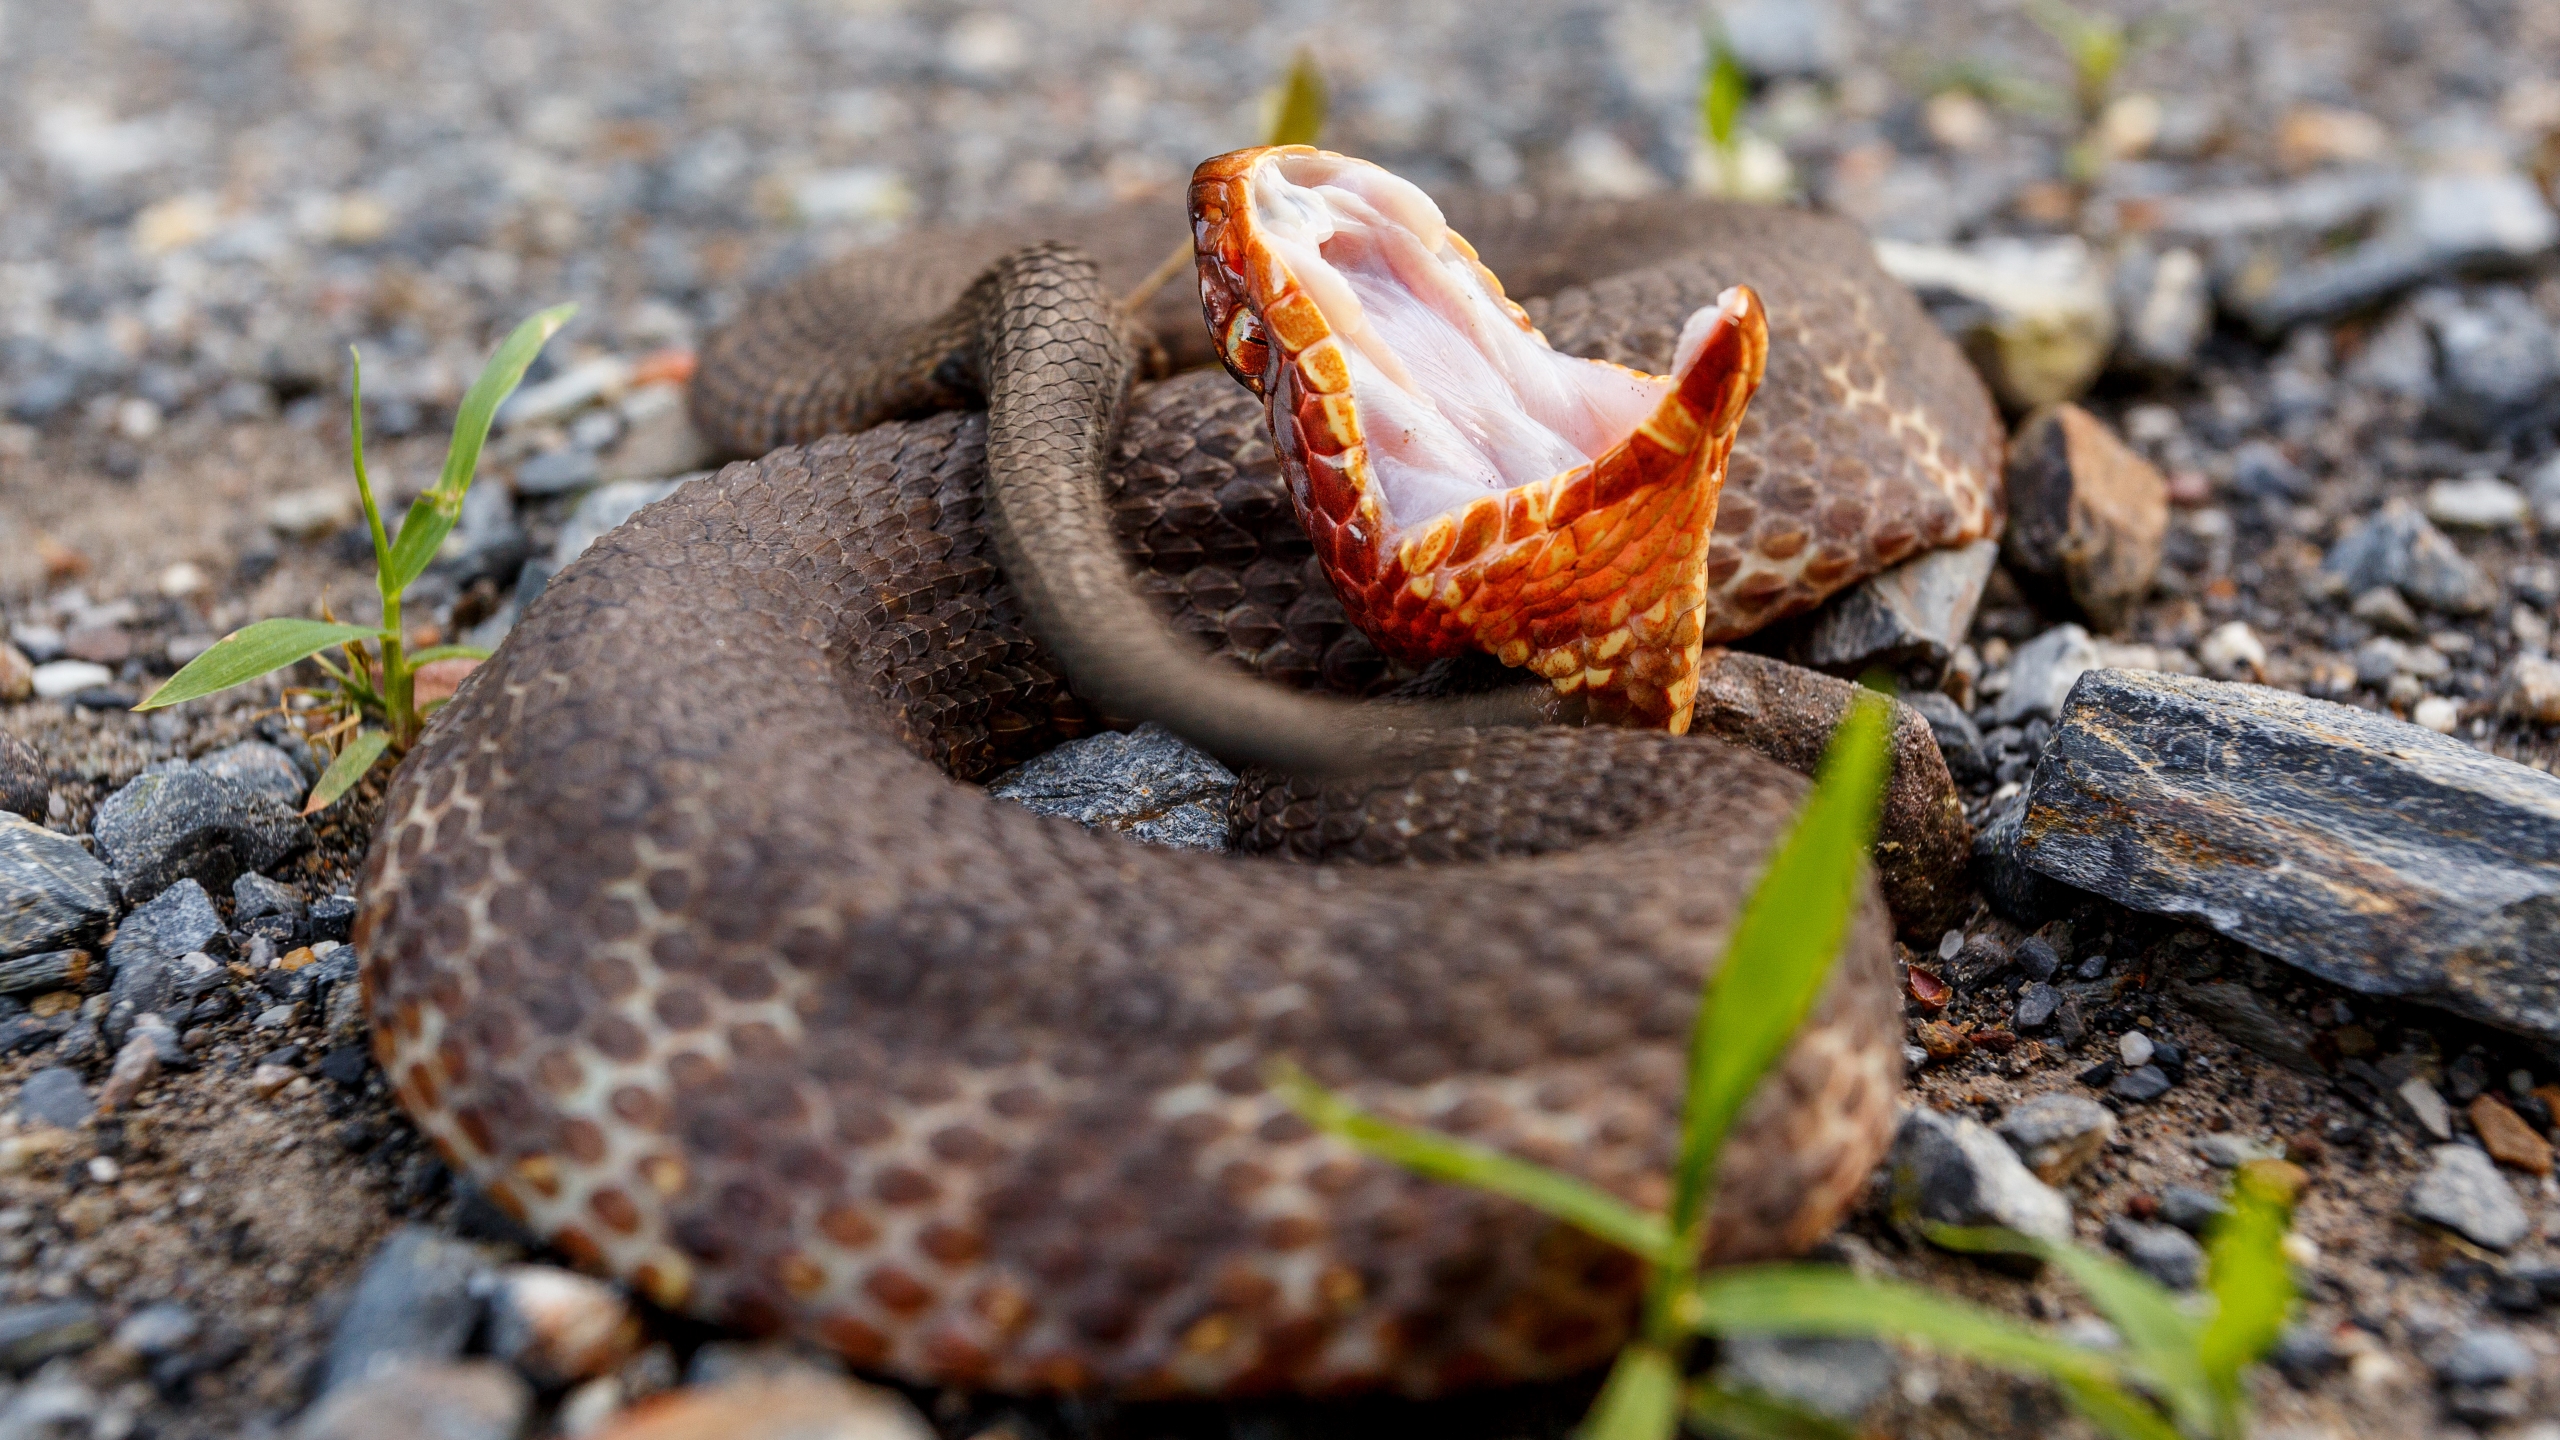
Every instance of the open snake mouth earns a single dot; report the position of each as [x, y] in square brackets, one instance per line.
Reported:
[1465, 485]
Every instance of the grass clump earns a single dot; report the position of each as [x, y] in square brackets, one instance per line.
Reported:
[2177, 1373]
[372, 697]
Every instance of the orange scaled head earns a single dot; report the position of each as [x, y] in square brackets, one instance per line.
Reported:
[1466, 487]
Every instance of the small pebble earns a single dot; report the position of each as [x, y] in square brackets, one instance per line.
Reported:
[267, 1080]
[2426, 1107]
[2142, 1083]
[2036, 1006]
[2165, 1253]
[2463, 1192]
[2135, 1047]
[2438, 714]
[2190, 1209]
[2036, 958]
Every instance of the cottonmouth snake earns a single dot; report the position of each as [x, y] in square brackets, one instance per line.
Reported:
[687, 939]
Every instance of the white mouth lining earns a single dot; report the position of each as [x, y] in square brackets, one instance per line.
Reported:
[1456, 401]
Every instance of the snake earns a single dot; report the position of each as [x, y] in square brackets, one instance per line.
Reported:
[692, 938]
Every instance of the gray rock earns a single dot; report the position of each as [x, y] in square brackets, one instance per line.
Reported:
[2475, 502]
[55, 1096]
[603, 508]
[414, 1305]
[2142, 1084]
[2037, 1005]
[2251, 1021]
[33, 1333]
[2400, 359]
[2441, 224]
[2304, 1353]
[24, 785]
[2543, 488]
[1783, 39]
[1949, 1170]
[2086, 515]
[160, 1329]
[485, 543]
[2016, 892]
[53, 893]
[2426, 1106]
[2485, 1357]
[2399, 548]
[177, 822]
[259, 766]
[253, 895]
[50, 970]
[2497, 356]
[145, 952]
[451, 1400]
[1838, 1377]
[2042, 673]
[2387, 610]
[1914, 614]
[1147, 784]
[557, 472]
[2190, 1209]
[1959, 739]
[2227, 1151]
[2260, 470]
[2057, 1133]
[2163, 1252]
[2463, 1192]
[2375, 854]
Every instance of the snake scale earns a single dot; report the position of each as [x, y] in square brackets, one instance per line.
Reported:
[688, 938]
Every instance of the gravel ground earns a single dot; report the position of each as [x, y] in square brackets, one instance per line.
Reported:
[203, 204]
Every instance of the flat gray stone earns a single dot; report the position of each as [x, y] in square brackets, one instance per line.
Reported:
[2375, 854]
[2463, 1192]
[53, 893]
[458, 1400]
[33, 1333]
[259, 766]
[2163, 1252]
[2042, 672]
[146, 952]
[1914, 614]
[55, 1096]
[177, 822]
[1833, 1376]
[414, 1305]
[2057, 1133]
[1950, 1170]
[50, 970]
[1147, 784]
[2398, 546]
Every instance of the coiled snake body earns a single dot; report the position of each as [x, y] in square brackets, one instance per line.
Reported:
[687, 938]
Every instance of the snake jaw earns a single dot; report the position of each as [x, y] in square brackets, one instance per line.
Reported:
[1592, 576]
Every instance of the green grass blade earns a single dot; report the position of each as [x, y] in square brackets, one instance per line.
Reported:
[2116, 1411]
[1782, 948]
[2251, 1284]
[432, 516]
[346, 770]
[1750, 1415]
[1585, 1207]
[249, 652]
[1784, 1299]
[1300, 117]
[1641, 1400]
[434, 653]
[2160, 1337]
[1720, 99]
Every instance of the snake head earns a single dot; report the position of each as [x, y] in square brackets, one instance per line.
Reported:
[1466, 486]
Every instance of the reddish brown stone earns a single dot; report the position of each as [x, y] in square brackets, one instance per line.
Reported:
[2507, 1138]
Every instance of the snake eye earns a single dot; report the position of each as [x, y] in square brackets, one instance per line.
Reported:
[1245, 349]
